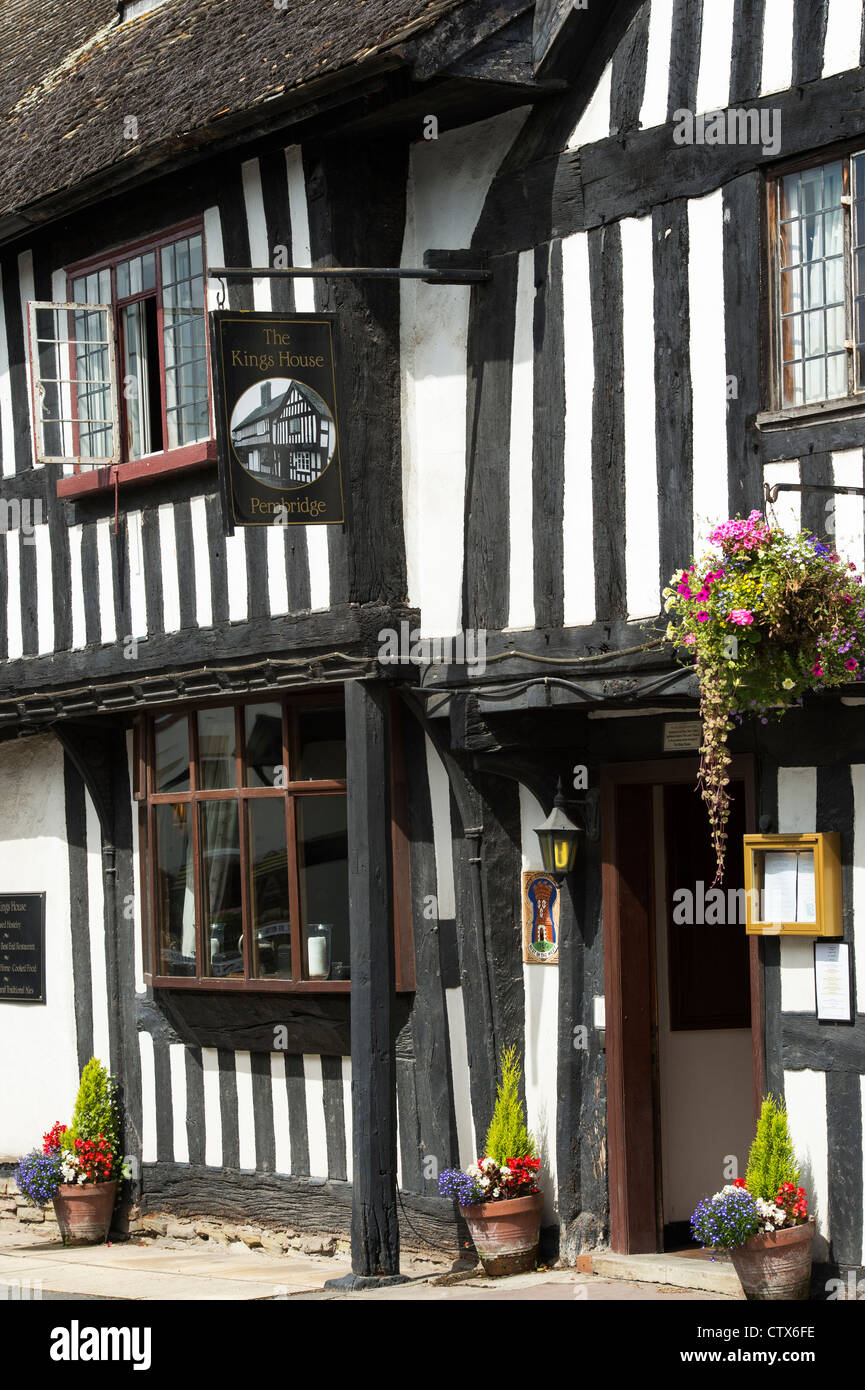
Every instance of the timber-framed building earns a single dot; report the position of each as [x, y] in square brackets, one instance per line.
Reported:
[303, 981]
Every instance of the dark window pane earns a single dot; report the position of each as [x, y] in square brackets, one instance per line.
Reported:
[221, 886]
[322, 849]
[815, 339]
[835, 330]
[791, 292]
[790, 205]
[270, 912]
[174, 907]
[322, 745]
[836, 370]
[812, 285]
[815, 380]
[791, 337]
[791, 248]
[833, 184]
[216, 748]
[835, 280]
[833, 232]
[172, 753]
[811, 190]
[793, 384]
[263, 724]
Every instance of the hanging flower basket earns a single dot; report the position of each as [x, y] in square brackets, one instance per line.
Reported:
[766, 616]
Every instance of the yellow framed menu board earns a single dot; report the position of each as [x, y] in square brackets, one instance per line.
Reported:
[793, 884]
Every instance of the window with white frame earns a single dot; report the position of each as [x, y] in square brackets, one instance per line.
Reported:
[818, 217]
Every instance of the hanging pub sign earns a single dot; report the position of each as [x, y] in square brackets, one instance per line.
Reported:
[22, 948]
[276, 422]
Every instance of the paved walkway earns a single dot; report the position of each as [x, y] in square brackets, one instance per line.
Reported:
[33, 1266]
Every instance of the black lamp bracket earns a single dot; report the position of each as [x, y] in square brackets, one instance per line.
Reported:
[589, 807]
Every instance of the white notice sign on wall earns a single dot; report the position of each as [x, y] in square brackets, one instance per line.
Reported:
[832, 981]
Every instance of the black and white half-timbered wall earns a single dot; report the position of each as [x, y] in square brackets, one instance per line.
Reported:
[283, 871]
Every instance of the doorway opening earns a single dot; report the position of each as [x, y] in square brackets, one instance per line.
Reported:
[683, 1001]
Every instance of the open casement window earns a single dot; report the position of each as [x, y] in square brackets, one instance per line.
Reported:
[143, 404]
[817, 215]
[75, 406]
[243, 835]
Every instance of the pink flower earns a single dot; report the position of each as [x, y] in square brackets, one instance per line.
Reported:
[703, 617]
[851, 664]
[683, 589]
[742, 616]
[689, 639]
[702, 594]
[816, 669]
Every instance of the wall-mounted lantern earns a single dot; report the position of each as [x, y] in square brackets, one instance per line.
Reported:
[558, 838]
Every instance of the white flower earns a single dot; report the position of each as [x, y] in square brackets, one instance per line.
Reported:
[497, 1192]
[787, 684]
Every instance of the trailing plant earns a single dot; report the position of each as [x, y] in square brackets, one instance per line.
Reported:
[37, 1177]
[772, 1163]
[727, 1219]
[507, 1136]
[765, 616]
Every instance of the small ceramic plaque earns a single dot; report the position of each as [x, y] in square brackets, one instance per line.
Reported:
[541, 900]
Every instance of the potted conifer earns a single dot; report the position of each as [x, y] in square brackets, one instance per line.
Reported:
[762, 1219]
[80, 1164]
[498, 1196]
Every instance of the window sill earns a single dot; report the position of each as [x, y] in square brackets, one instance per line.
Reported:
[839, 409]
[251, 986]
[139, 471]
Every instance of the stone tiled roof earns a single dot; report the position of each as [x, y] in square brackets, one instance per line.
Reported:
[71, 75]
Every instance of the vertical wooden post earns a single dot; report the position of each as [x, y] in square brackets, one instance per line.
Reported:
[374, 1222]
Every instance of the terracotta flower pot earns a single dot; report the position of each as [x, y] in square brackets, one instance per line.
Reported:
[506, 1233]
[84, 1212]
[776, 1265]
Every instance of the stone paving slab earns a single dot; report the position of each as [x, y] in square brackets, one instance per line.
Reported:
[713, 1276]
[157, 1270]
[130, 1271]
[559, 1286]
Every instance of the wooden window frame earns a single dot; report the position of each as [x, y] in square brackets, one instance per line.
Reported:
[854, 401]
[143, 760]
[152, 466]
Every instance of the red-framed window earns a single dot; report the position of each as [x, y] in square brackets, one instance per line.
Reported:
[121, 370]
[243, 846]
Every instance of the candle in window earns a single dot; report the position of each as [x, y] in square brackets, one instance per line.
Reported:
[319, 964]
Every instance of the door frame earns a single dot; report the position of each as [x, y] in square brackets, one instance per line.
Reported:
[631, 1127]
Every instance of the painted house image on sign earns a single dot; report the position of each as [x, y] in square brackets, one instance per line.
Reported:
[283, 432]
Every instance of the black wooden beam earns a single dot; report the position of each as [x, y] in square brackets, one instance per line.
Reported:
[374, 1221]
[456, 275]
[277, 1201]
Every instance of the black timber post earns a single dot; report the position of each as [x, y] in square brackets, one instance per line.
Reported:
[374, 1219]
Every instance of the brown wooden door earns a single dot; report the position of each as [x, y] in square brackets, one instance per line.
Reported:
[633, 1110]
